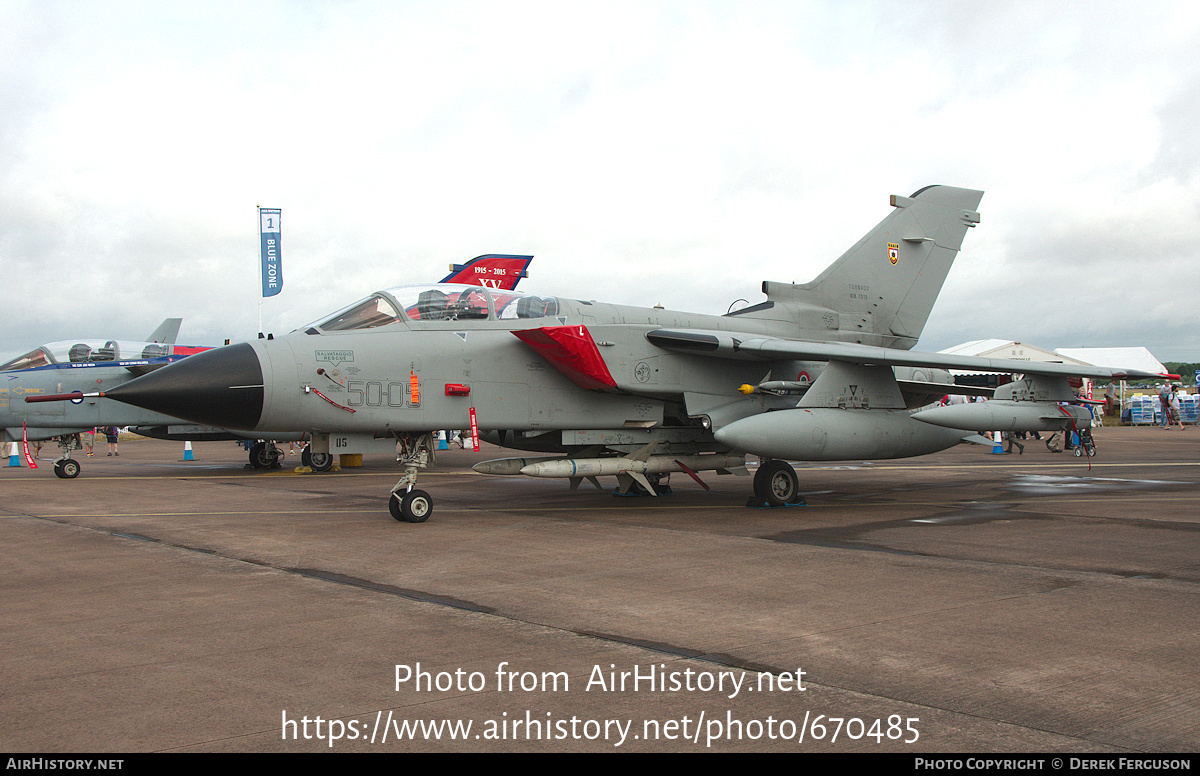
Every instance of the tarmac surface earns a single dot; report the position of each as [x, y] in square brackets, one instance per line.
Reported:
[963, 602]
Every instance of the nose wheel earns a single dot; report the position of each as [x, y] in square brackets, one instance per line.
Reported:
[415, 506]
[66, 468]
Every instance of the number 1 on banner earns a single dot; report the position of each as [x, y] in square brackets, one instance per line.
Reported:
[270, 247]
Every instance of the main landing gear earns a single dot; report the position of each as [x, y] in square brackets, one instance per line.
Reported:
[776, 485]
[413, 452]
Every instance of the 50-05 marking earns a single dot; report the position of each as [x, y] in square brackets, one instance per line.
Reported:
[373, 393]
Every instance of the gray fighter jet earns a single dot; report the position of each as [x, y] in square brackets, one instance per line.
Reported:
[819, 371]
[82, 366]
[76, 366]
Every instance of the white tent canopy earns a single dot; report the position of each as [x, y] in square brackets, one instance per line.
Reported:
[1115, 358]
[1009, 349]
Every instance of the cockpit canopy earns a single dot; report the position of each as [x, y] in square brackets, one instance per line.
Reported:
[438, 302]
[87, 352]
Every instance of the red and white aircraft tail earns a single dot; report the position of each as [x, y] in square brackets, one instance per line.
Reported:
[494, 270]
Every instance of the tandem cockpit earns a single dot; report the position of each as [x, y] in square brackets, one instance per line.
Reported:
[77, 353]
[439, 302]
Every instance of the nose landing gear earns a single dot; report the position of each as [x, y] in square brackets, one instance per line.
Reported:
[406, 502]
[65, 467]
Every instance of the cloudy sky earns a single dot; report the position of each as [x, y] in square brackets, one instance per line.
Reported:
[675, 153]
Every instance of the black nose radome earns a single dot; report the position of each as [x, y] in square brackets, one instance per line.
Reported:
[221, 387]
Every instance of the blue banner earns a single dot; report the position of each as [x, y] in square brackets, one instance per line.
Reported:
[272, 258]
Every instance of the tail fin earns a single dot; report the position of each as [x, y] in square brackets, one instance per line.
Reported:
[494, 270]
[166, 332]
[880, 291]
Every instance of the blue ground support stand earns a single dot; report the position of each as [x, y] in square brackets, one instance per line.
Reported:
[762, 503]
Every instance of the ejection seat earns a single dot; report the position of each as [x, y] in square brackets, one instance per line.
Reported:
[536, 307]
[79, 354]
[432, 305]
[109, 352]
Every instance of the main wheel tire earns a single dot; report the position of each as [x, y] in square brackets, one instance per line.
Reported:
[776, 483]
[255, 455]
[760, 480]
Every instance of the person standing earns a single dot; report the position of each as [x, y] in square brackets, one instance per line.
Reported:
[110, 435]
[1111, 405]
[1173, 404]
